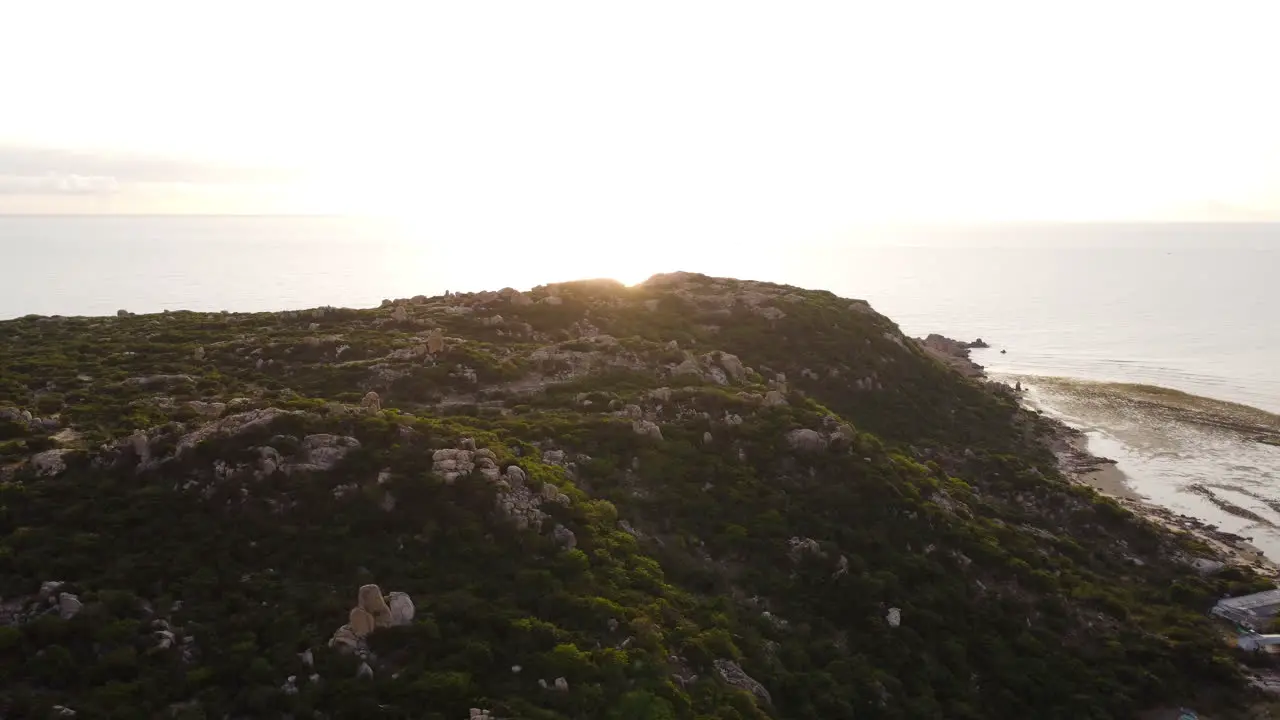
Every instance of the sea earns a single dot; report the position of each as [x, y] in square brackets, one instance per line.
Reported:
[1161, 341]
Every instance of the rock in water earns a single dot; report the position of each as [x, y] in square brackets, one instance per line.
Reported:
[372, 602]
[401, 608]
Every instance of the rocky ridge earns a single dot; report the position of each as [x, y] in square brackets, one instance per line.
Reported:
[696, 497]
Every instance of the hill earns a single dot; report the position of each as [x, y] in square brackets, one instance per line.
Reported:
[692, 498]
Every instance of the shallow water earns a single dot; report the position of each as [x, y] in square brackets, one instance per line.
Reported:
[1195, 456]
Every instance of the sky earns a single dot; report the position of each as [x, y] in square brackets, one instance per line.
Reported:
[569, 121]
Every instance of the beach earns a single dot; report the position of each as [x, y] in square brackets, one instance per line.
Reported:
[1076, 448]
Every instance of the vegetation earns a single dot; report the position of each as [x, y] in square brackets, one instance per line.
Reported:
[1020, 594]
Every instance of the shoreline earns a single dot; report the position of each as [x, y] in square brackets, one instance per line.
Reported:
[1078, 464]
[1070, 445]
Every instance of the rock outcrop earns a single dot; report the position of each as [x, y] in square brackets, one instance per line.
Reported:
[734, 675]
[952, 353]
[50, 462]
[372, 612]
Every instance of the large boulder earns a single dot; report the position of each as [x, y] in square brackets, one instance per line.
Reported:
[733, 366]
[371, 601]
[401, 608]
[49, 462]
[345, 639]
[323, 451]
[360, 621]
[806, 440]
[371, 402]
[435, 341]
[68, 606]
[647, 428]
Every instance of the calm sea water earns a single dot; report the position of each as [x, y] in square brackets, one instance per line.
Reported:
[1190, 307]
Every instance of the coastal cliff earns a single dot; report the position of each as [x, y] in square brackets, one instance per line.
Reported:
[695, 497]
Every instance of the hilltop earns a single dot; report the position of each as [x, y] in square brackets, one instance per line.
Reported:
[693, 498]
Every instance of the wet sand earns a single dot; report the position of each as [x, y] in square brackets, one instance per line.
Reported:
[1071, 445]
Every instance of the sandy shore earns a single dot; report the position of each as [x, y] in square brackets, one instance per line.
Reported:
[1076, 462]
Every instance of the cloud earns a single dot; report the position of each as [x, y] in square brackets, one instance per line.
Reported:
[58, 184]
[127, 168]
[43, 179]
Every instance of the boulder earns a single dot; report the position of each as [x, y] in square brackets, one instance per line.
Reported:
[68, 606]
[198, 354]
[400, 314]
[360, 621]
[688, 367]
[323, 451]
[733, 366]
[371, 402]
[344, 639]
[843, 437]
[372, 601]
[562, 684]
[435, 341]
[364, 672]
[49, 462]
[401, 608]
[893, 617]
[564, 537]
[707, 439]
[773, 398]
[647, 428]
[806, 440]
[48, 588]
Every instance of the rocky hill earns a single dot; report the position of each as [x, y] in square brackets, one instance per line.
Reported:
[692, 498]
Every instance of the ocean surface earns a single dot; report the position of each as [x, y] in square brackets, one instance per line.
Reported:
[1075, 308]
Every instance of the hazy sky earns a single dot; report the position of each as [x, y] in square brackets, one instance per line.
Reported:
[568, 120]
